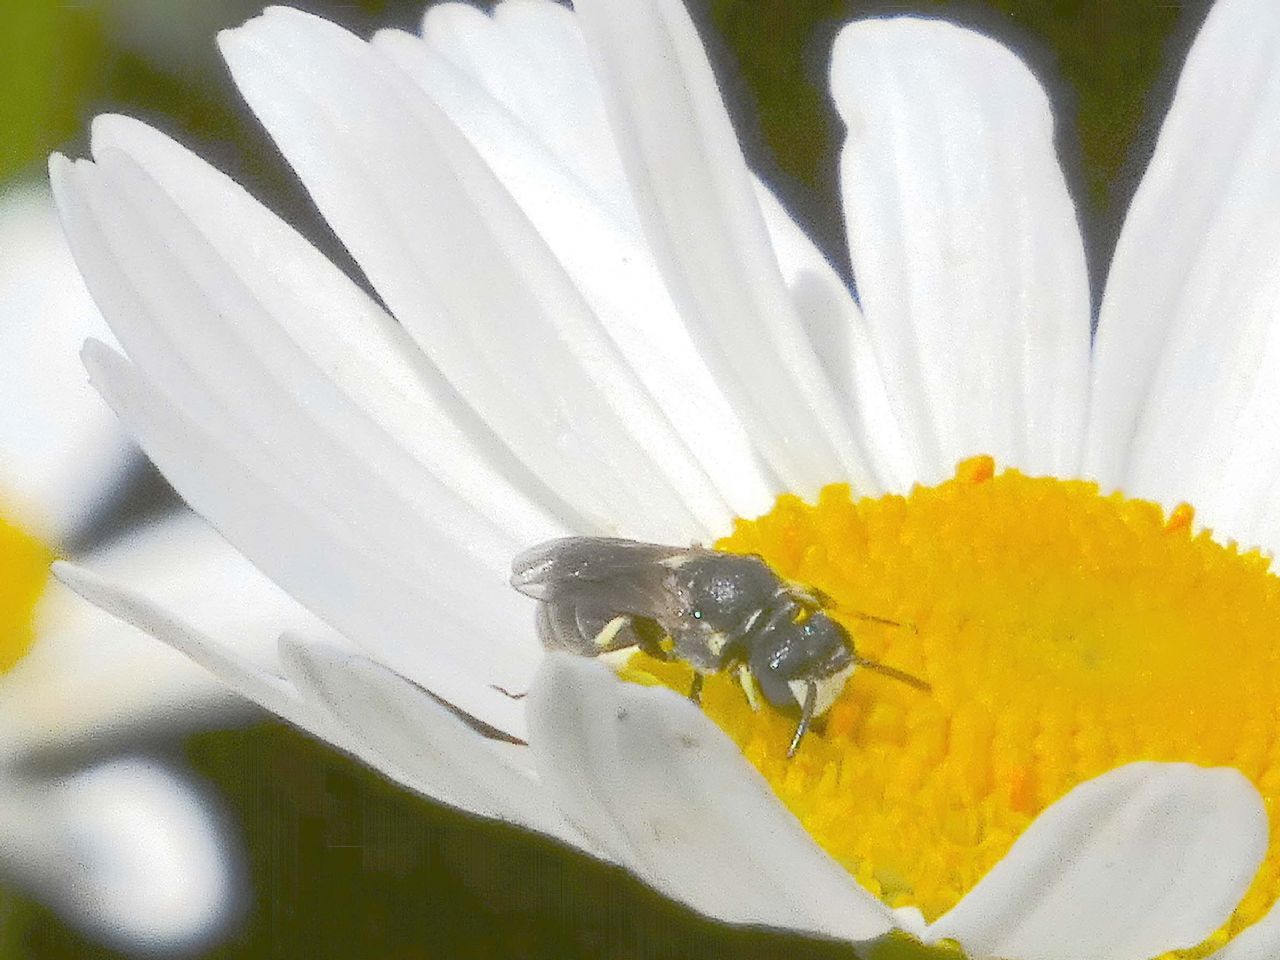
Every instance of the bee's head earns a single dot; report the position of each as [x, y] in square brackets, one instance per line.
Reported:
[792, 654]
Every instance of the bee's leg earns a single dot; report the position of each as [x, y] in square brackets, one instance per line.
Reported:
[786, 611]
[809, 599]
[652, 639]
[695, 688]
[806, 716]
[748, 682]
[606, 640]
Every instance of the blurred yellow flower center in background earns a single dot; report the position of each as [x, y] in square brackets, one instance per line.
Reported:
[24, 571]
[1063, 633]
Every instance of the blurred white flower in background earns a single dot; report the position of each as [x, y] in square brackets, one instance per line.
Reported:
[132, 851]
[61, 450]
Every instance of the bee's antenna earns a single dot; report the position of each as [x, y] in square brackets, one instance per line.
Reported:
[885, 620]
[806, 716]
[907, 678]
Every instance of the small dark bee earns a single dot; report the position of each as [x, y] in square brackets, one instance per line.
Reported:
[717, 611]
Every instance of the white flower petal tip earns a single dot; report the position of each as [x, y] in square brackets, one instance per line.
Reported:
[1148, 858]
[129, 851]
[97, 589]
[247, 678]
[964, 242]
[672, 798]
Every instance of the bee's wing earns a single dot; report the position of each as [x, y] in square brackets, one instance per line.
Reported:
[544, 570]
[577, 622]
[585, 584]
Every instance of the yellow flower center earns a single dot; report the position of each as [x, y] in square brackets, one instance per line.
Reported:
[24, 571]
[1063, 634]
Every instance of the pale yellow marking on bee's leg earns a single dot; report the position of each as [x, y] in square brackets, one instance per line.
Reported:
[605, 638]
[807, 597]
[695, 688]
[748, 686]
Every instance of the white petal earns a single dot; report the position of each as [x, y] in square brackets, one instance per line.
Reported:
[242, 675]
[469, 276]
[648, 775]
[697, 202]
[414, 737]
[324, 333]
[127, 850]
[238, 402]
[337, 573]
[607, 261]
[361, 707]
[1185, 393]
[197, 326]
[61, 451]
[520, 87]
[90, 679]
[1148, 858]
[966, 251]
[314, 695]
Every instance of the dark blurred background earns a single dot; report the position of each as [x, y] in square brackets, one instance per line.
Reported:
[341, 864]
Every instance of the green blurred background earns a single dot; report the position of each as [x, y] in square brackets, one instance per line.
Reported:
[341, 864]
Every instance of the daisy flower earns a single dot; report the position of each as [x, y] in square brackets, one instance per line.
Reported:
[593, 319]
[128, 849]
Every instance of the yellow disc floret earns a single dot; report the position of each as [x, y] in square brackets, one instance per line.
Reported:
[1063, 633]
[24, 571]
